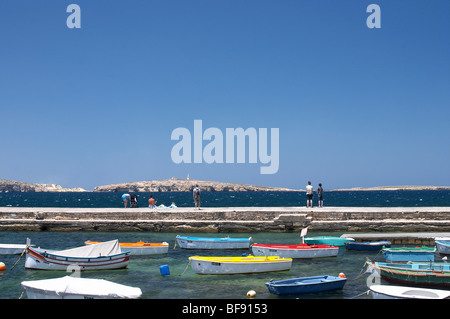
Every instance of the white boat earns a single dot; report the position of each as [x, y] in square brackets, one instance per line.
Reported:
[295, 251]
[140, 248]
[401, 292]
[12, 249]
[107, 255]
[442, 245]
[69, 287]
[238, 265]
[213, 242]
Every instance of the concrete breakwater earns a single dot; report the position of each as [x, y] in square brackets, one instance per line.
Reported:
[227, 219]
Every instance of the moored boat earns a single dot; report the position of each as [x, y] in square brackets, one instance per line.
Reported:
[303, 285]
[414, 273]
[367, 246]
[406, 254]
[327, 240]
[106, 255]
[140, 247]
[238, 265]
[187, 242]
[404, 292]
[295, 251]
[12, 249]
[442, 245]
[69, 287]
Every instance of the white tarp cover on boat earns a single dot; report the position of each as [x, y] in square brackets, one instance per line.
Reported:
[84, 286]
[106, 248]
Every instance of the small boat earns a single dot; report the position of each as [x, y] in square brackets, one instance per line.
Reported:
[140, 248]
[401, 292]
[327, 240]
[305, 285]
[406, 254]
[367, 246]
[12, 249]
[213, 243]
[295, 251]
[238, 265]
[414, 273]
[69, 287]
[107, 255]
[443, 245]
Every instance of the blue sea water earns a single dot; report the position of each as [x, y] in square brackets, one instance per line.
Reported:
[183, 283]
[233, 199]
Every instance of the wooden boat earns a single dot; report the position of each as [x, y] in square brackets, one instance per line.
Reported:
[443, 245]
[305, 285]
[401, 292]
[295, 251]
[107, 255]
[414, 273]
[140, 248]
[367, 246]
[406, 254]
[327, 240]
[69, 287]
[238, 265]
[213, 243]
[12, 249]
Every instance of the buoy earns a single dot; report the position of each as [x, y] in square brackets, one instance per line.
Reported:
[164, 270]
[341, 275]
[2, 266]
[251, 293]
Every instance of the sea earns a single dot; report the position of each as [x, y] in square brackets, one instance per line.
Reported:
[182, 283]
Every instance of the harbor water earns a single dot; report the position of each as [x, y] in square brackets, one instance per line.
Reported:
[183, 283]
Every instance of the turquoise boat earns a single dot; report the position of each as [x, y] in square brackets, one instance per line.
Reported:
[328, 240]
[406, 254]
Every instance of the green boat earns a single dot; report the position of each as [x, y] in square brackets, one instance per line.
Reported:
[406, 254]
[415, 273]
[328, 240]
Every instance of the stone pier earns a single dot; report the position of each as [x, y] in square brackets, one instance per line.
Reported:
[228, 219]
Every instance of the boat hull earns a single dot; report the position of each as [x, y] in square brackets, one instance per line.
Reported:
[141, 248]
[213, 243]
[304, 285]
[238, 265]
[42, 260]
[327, 240]
[404, 254]
[295, 251]
[443, 246]
[415, 274]
[401, 292]
[367, 246]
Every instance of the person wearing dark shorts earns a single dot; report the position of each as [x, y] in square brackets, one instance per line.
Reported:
[320, 194]
[309, 195]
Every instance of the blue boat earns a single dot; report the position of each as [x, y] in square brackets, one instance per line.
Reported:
[368, 246]
[187, 242]
[406, 254]
[304, 285]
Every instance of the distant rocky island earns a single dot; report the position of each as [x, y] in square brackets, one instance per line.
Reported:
[13, 186]
[184, 185]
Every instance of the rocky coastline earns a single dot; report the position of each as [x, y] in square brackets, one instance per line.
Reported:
[13, 186]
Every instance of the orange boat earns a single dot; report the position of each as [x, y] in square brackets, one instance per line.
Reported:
[140, 247]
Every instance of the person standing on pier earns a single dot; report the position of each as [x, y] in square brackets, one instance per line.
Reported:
[196, 195]
[320, 194]
[125, 198]
[309, 195]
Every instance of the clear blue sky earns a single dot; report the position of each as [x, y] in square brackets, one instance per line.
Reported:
[97, 105]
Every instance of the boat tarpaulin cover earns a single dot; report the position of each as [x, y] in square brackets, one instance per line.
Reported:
[106, 248]
[84, 286]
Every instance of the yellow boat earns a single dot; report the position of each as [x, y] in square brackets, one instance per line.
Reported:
[140, 247]
[238, 265]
